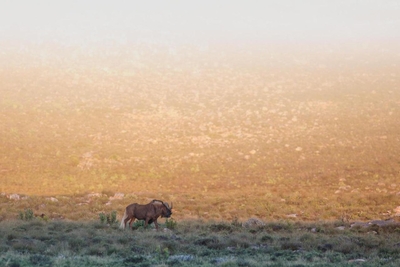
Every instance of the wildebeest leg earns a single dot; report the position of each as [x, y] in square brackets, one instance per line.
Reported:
[146, 222]
[130, 221]
[126, 220]
[156, 224]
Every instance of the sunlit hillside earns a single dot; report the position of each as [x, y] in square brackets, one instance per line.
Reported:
[222, 132]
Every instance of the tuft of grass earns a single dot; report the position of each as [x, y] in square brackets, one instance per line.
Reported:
[108, 218]
[171, 223]
[236, 223]
[26, 215]
[138, 224]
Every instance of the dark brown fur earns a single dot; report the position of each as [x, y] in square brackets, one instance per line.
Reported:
[148, 212]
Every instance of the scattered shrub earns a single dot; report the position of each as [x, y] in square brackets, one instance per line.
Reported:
[219, 227]
[97, 250]
[325, 247]
[206, 241]
[171, 223]
[26, 215]
[291, 246]
[134, 260]
[244, 262]
[237, 241]
[109, 218]
[11, 237]
[103, 217]
[13, 264]
[27, 245]
[236, 223]
[137, 224]
[163, 253]
[112, 217]
[36, 243]
[76, 244]
[40, 260]
[266, 238]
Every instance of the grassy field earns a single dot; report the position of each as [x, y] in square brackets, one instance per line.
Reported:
[221, 132]
[197, 243]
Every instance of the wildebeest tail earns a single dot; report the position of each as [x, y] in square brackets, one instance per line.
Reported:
[122, 225]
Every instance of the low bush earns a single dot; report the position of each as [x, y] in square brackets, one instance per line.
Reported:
[171, 224]
[63, 243]
[26, 215]
[108, 218]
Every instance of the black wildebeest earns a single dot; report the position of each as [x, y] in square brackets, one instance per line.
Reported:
[148, 212]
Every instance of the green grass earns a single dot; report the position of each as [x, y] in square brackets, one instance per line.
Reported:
[196, 243]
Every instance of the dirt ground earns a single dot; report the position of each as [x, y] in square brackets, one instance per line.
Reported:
[222, 132]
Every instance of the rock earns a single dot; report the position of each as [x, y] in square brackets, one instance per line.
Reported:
[360, 224]
[57, 217]
[52, 199]
[14, 197]
[253, 222]
[341, 228]
[379, 223]
[117, 196]
[382, 222]
[397, 211]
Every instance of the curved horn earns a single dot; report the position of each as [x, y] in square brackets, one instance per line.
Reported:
[167, 205]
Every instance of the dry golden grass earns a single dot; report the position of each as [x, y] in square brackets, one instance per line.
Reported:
[221, 133]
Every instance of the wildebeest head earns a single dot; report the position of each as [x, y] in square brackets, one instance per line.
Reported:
[166, 210]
